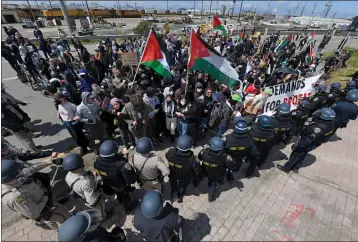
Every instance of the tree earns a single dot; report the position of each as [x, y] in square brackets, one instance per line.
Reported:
[142, 28]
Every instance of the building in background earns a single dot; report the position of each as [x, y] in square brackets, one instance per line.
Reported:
[321, 22]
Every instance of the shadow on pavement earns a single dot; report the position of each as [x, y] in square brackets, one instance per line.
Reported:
[334, 138]
[197, 228]
[48, 129]
[61, 146]
[309, 160]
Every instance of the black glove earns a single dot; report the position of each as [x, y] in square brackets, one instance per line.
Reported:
[89, 121]
[57, 161]
[23, 104]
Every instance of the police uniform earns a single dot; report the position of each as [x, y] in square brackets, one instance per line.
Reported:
[160, 228]
[299, 118]
[345, 111]
[215, 164]
[265, 140]
[182, 166]
[312, 136]
[28, 197]
[149, 167]
[117, 175]
[283, 126]
[335, 96]
[85, 186]
[318, 101]
[241, 146]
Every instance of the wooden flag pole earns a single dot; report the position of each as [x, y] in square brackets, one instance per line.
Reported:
[136, 72]
[187, 67]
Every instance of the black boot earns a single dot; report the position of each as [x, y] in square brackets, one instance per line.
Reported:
[283, 168]
[211, 197]
[172, 138]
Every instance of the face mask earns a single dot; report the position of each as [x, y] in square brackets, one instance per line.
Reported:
[182, 102]
[171, 92]
[199, 90]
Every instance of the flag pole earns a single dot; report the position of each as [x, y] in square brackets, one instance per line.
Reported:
[187, 67]
[141, 57]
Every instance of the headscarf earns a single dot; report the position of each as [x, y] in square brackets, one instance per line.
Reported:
[114, 100]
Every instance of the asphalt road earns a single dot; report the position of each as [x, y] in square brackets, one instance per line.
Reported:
[51, 134]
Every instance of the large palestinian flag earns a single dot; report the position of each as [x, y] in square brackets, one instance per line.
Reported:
[154, 57]
[309, 56]
[205, 58]
[219, 26]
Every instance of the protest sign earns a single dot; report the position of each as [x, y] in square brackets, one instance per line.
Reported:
[129, 58]
[289, 92]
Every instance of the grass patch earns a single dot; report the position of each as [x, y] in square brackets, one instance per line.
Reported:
[343, 75]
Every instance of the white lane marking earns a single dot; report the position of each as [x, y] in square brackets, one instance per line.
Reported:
[9, 78]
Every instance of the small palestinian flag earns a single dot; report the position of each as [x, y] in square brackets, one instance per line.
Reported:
[309, 56]
[219, 26]
[205, 58]
[310, 39]
[284, 43]
[154, 57]
[240, 36]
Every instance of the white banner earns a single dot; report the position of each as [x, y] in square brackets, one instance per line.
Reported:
[290, 92]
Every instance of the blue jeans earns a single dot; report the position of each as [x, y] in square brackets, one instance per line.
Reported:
[203, 121]
[183, 128]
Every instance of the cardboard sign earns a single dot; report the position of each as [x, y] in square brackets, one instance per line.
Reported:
[129, 58]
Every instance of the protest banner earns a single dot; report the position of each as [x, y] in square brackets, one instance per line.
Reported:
[129, 58]
[289, 92]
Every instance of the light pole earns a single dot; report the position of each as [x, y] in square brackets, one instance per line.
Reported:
[238, 18]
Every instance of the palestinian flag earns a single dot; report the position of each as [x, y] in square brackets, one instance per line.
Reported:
[154, 57]
[310, 39]
[205, 58]
[309, 56]
[240, 37]
[284, 43]
[219, 26]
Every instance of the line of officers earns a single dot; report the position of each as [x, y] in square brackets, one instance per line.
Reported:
[313, 121]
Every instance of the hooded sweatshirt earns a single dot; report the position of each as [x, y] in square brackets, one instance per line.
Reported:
[88, 111]
[197, 94]
[86, 83]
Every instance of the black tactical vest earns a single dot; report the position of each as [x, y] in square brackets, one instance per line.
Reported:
[263, 138]
[239, 146]
[282, 126]
[180, 163]
[214, 163]
[110, 170]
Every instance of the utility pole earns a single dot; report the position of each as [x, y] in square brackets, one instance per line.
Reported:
[194, 8]
[303, 9]
[50, 3]
[238, 18]
[216, 11]
[64, 12]
[211, 2]
[268, 9]
[167, 8]
[32, 13]
[202, 8]
[233, 7]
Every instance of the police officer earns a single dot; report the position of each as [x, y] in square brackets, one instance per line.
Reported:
[84, 226]
[27, 196]
[215, 162]
[117, 174]
[182, 165]
[156, 222]
[320, 98]
[313, 135]
[350, 85]
[301, 114]
[336, 94]
[346, 110]
[83, 183]
[264, 138]
[241, 145]
[148, 166]
[282, 123]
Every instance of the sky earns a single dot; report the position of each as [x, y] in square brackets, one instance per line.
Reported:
[343, 9]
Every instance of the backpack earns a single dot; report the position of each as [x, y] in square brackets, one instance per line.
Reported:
[216, 115]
